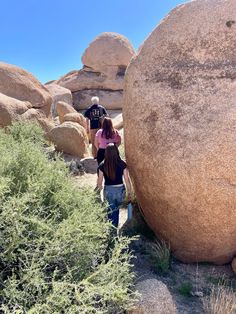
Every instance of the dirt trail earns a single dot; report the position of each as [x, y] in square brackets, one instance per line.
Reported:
[89, 180]
[182, 280]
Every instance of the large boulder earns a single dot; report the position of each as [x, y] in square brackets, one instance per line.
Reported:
[11, 109]
[71, 138]
[87, 78]
[22, 85]
[118, 121]
[75, 117]
[109, 99]
[179, 122]
[58, 93]
[108, 51]
[105, 62]
[62, 109]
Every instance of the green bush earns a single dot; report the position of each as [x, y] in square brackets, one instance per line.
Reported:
[54, 252]
[186, 289]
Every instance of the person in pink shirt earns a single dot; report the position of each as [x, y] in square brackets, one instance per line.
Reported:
[104, 136]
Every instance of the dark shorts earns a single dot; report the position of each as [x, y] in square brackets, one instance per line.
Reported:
[100, 155]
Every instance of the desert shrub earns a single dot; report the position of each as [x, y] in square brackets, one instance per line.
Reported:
[186, 289]
[54, 254]
[222, 300]
[159, 253]
[30, 131]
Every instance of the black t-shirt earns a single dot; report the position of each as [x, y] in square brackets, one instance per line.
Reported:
[119, 173]
[94, 113]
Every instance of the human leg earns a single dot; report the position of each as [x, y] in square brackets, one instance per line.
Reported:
[100, 155]
[114, 197]
[92, 137]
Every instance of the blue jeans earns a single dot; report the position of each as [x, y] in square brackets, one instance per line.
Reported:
[114, 196]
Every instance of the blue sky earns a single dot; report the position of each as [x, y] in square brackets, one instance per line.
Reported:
[48, 37]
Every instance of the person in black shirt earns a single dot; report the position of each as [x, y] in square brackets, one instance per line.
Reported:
[94, 115]
[112, 170]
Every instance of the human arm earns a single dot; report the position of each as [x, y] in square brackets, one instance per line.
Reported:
[100, 180]
[87, 115]
[87, 125]
[127, 183]
[105, 113]
[118, 138]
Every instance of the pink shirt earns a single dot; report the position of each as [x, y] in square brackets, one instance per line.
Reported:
[102, 141]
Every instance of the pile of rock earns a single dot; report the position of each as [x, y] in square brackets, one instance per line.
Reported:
[23, 97]
[70, 136]
[105, 62]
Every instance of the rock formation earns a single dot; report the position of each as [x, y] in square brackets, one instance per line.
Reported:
[23, 97]
[71, 138]
[179, 121]
[118, 121]
[58, 93]
[22, 85]
[11, 109]
[105, 62]
[110, 99]
[75, 117]
[62, 109]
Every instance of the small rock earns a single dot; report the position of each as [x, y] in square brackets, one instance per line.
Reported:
[197, 294]
[90, 164]
[76, 168]
[155, 298]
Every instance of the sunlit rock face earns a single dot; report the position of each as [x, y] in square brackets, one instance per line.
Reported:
[180, 130]
[105, 62]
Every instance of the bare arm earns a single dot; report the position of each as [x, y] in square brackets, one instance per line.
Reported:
[87, 125]
[118, 138]
[127, 183]
[100, 180]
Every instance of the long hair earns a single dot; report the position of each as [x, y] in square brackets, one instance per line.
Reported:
[111, 160]
[107, 128]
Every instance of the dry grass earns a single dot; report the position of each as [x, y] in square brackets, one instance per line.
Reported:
[222, 300]
[159, 252]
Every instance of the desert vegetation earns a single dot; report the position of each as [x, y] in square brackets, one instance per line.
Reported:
[57, 253]
[222, 300]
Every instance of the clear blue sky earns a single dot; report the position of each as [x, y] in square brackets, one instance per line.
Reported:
[48, 37]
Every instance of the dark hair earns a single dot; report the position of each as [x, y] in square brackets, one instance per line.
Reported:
[107, 128]
[111, 161]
